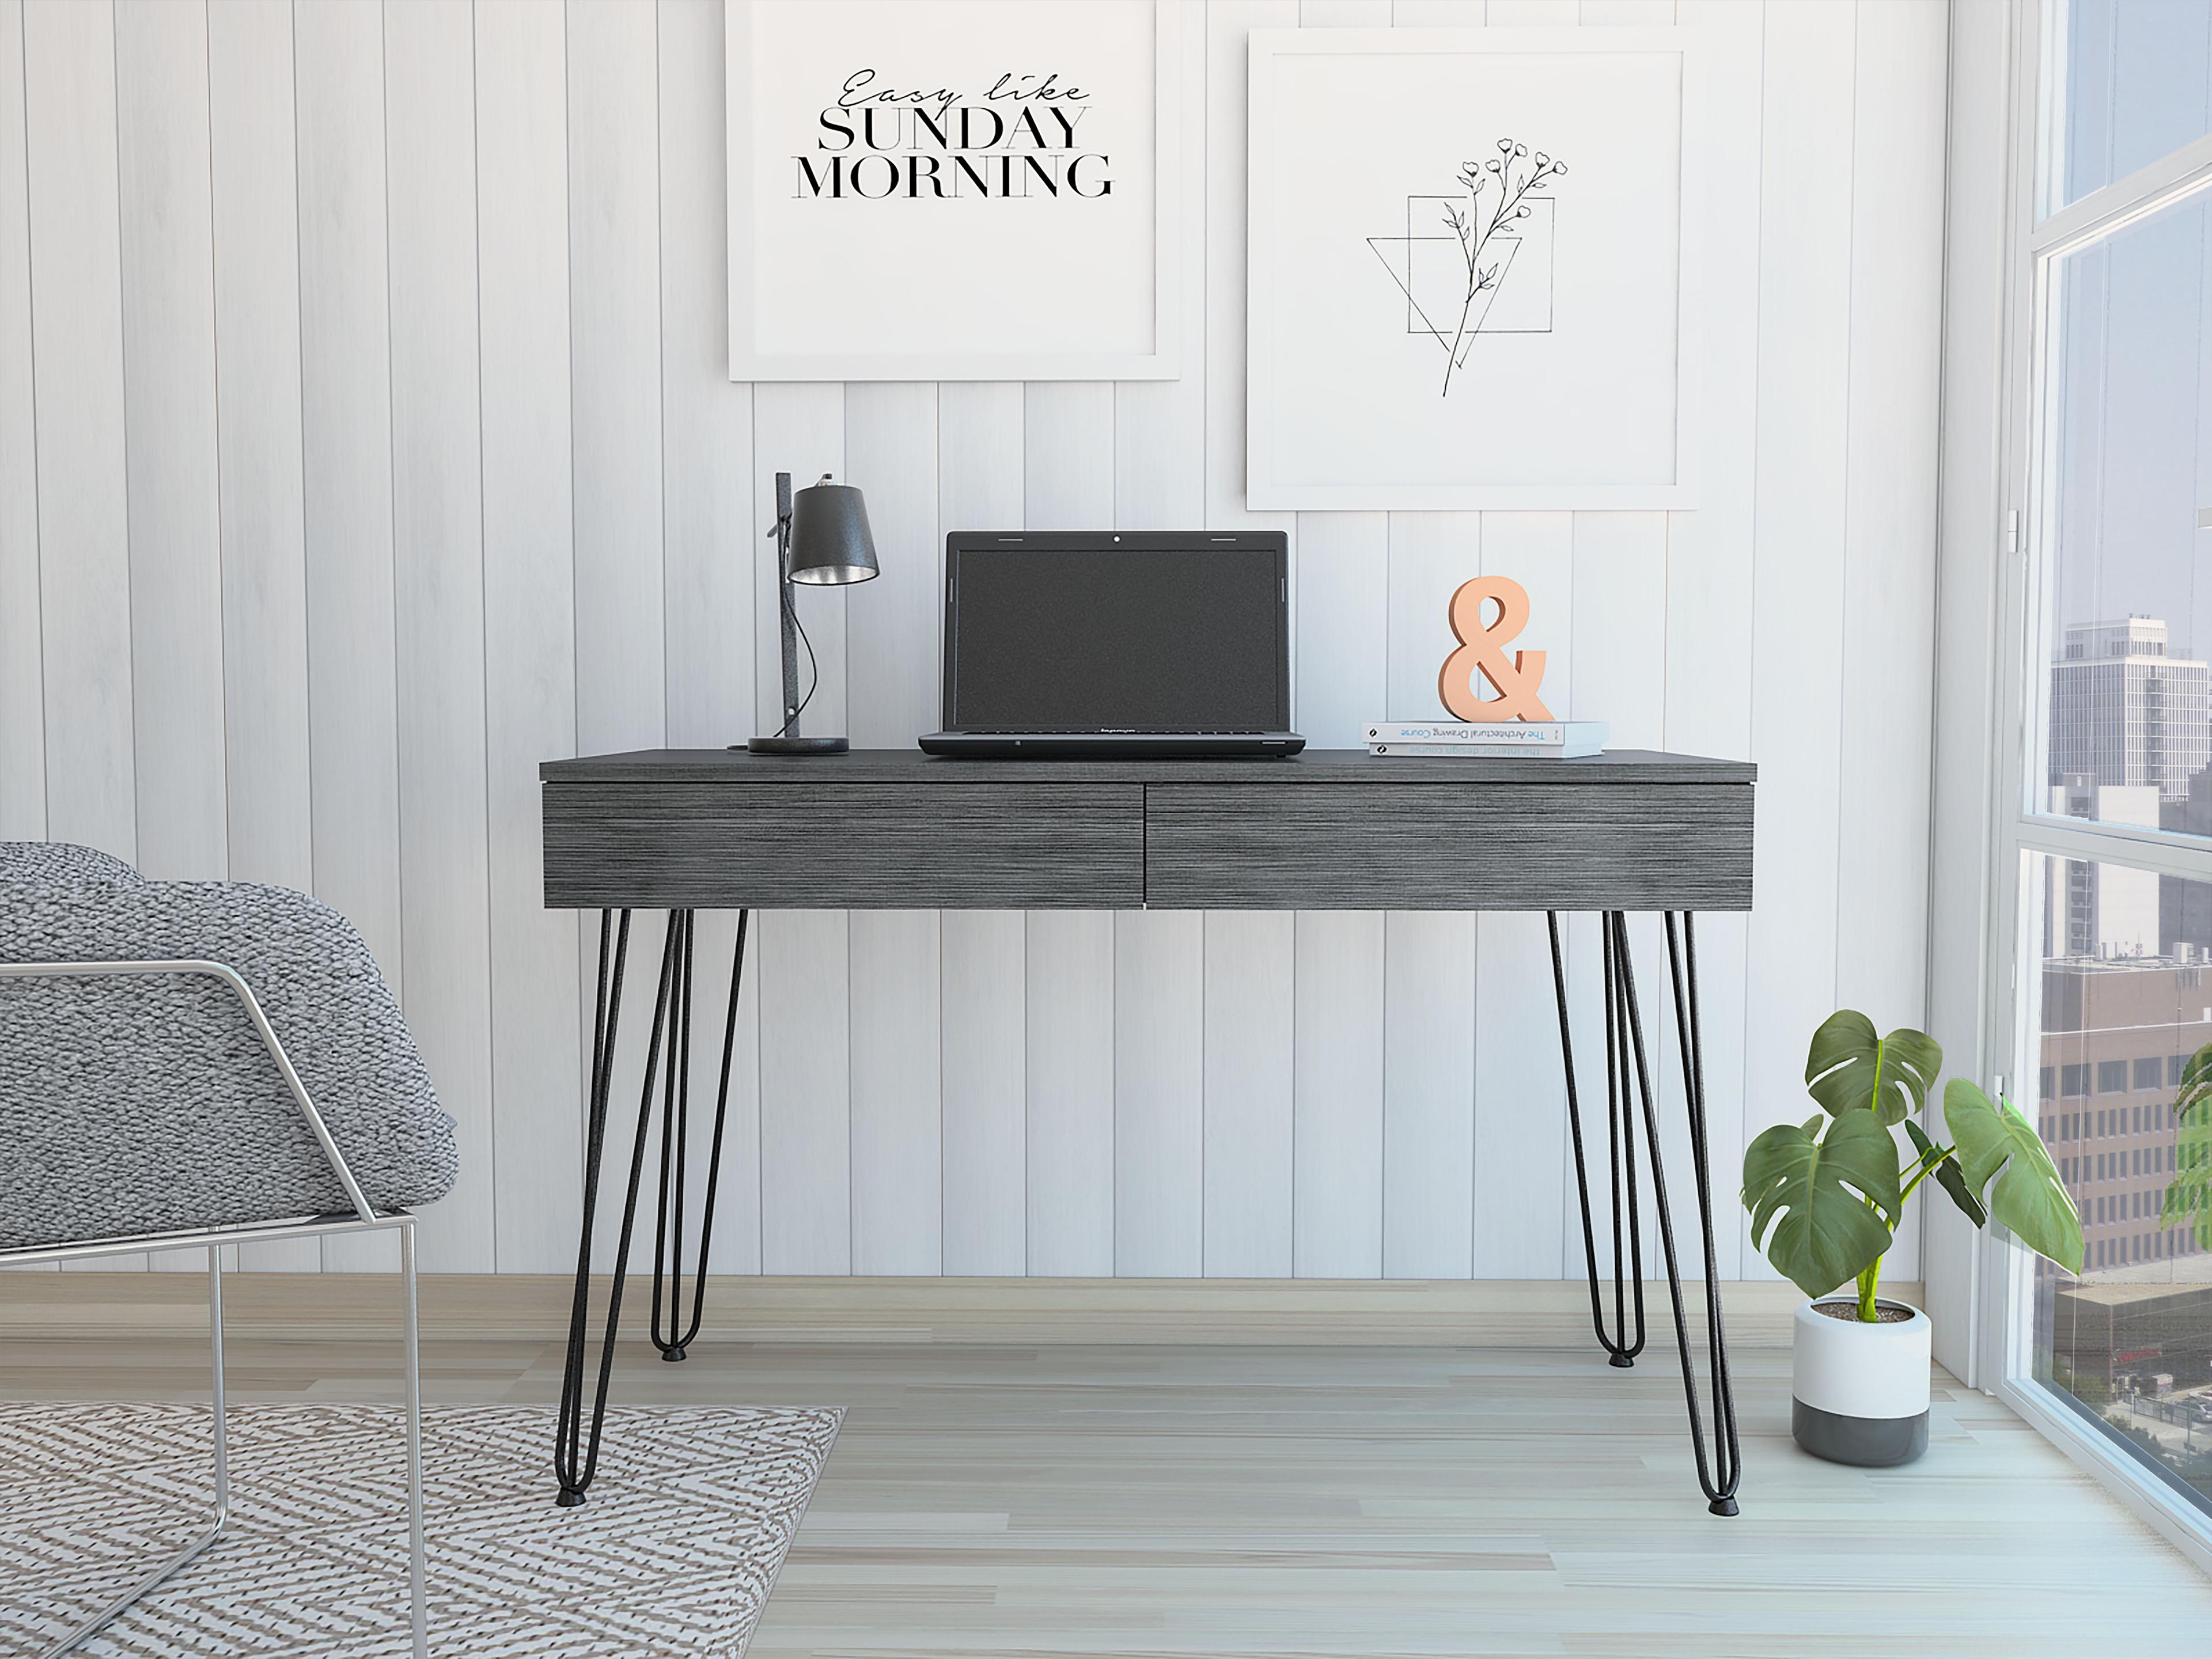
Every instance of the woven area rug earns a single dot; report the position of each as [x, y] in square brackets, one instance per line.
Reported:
[689, 1521]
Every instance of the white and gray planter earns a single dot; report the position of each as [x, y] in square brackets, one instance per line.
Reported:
[1859, 1392]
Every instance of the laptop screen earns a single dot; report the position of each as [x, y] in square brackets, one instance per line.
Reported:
[1109, 639]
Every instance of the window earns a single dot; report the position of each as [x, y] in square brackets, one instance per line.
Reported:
[2103, 917]
[2133, 77]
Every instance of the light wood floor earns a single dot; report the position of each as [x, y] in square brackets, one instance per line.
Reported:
[996, 1500]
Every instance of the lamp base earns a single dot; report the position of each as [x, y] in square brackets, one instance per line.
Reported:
[796, 745]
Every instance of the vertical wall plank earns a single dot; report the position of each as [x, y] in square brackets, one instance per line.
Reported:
[1251, 966]
[806, 1126]
[22, 694]
[1251, 1048]
[1620, 612]
[1067, 457]
[1710, 574]
[1341, 580]
[264, 631]
[898, 1161]
[264, 575]
[530, 625]
[1889, 523]
[345, 383]
[1159, 957]
[894, 624]
[615, 320]
[346, 439]
[892, 628]
[983, 1056]
[981, 953]
[169, 425]
[1521, 1163]
[712, 534]
[615, 432]
[711, 549]
[438, 585]
[806, 1061]
[76, 343]
[1428, 1101]
[1337, 1084]
[1070, 1057]
[1159, 1069]
[1797, 637]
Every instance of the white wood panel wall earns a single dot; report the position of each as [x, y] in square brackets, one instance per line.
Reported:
[364, 437]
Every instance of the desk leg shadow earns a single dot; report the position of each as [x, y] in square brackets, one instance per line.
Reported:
[575, 1448]
[1627, 1085]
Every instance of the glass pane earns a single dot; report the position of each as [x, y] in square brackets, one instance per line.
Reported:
[2135, 83]
[2129, 1344]
[2128, 472]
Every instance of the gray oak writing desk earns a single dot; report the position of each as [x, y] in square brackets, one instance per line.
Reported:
[689, 829]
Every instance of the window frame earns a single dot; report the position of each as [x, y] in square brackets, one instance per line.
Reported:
[2002, 1299]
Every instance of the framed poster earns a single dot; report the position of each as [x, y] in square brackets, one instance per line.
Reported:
[1472, 269]
[953, 190]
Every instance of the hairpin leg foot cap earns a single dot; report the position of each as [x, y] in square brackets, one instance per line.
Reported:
[1723, 1506]
[673, 1355]
[570, 1499]
[1618, 1361]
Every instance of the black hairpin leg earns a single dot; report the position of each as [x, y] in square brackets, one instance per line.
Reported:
[1621, 1346]
[575, 1446]
[675, 1127]
[1627, 1069]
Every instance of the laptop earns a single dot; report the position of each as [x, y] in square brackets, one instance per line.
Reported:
[1106, 644]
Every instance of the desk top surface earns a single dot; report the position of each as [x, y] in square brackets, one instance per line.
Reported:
[1337, 766]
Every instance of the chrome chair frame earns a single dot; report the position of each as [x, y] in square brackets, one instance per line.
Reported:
[365, 1218]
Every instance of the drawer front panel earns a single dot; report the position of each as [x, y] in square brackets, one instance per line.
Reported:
[1439, 846]
[799, 845]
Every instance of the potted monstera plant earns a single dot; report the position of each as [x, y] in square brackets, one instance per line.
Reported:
[1825, 1197]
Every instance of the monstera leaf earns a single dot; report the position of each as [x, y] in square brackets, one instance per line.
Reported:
[1848, 1067]
[1947, 1176]
[2189, 1199]
[1995, 1142]
[1808, 1198]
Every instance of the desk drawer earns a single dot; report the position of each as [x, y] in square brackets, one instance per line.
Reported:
[1449, 846]
[845, 846]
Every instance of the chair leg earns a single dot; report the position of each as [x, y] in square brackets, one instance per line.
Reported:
[161, 1574]
[418, 1560]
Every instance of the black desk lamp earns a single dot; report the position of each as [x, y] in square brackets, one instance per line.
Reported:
[821, 537]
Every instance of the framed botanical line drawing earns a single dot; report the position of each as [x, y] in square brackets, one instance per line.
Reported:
[1472, 269]
[954, 190]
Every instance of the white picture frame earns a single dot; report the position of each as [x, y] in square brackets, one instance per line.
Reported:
[979, 286]
[1585, 391]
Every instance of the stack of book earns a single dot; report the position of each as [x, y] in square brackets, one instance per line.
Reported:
[1552, 740]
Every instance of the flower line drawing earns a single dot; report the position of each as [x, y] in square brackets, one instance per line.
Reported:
[1485, 225]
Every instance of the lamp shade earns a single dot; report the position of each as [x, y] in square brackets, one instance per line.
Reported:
[831, 544]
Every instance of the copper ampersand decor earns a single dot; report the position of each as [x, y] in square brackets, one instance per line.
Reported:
[1516, 680]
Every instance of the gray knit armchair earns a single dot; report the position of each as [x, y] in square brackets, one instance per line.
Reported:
[194, 1064]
